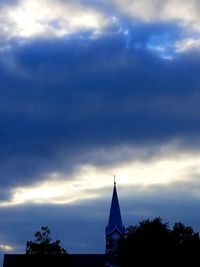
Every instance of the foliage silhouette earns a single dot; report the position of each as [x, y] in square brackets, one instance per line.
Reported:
[152, 243]
[43, 244]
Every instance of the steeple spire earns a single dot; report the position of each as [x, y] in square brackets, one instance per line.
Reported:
[115, 220]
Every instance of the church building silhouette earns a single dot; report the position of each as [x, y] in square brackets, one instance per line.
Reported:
[114, 232]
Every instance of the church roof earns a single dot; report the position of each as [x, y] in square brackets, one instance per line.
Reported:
[88, 260]
[70, 260]
[115, 220]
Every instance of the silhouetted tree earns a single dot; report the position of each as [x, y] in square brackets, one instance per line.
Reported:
[152, 243]
[43, 244]
[186, 245]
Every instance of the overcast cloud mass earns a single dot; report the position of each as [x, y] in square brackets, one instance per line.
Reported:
[89, 89]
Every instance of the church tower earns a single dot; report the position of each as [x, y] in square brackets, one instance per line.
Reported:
[114, 231]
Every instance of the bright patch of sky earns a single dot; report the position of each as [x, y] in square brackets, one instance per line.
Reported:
[185, 13]
[6, 247]
[32, 19]
[187, 44]
[90, 181]
[161, 45]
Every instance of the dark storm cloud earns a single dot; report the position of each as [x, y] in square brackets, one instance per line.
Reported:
[61, 99]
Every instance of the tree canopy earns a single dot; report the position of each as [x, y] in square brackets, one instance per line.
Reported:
[153, 243]
[43, 244]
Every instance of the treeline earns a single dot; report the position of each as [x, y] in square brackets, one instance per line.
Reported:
[150, 243]
[153, 243]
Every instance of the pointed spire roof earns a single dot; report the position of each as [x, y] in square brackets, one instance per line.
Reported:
[115, 220]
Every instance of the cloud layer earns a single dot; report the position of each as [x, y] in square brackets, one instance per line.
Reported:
[61, 99]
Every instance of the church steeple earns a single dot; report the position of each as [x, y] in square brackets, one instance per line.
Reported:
[114, 231]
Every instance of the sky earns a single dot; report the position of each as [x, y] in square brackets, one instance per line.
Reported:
[89, 89]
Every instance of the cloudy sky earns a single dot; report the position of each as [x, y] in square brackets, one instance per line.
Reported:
[89, 89]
